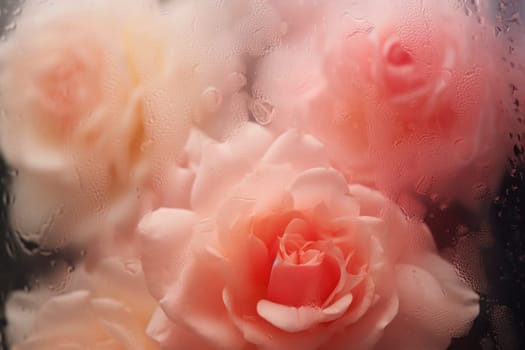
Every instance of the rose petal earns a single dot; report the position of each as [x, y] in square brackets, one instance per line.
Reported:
[285, 148]
[307, 193]
[199, 309]
[165, 236]
[71, 315]
[230, 159]
[174, 187]
[297, 284]
[21, 310]
[171, 336]
[120, 323]
[298, 226]
[365, 333]
[264, 181]
[403, 235]
[296, 319]
[256, 331]
[434, 307]
[72, 318]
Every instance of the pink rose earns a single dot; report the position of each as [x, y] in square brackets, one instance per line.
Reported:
[104, 308]
[402, 101]
[279, 252]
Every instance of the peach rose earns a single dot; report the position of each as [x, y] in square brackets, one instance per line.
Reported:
[105, 308]
[103, 114]
[279, 252]
[402, 102]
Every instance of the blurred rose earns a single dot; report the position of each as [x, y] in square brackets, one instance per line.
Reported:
[102, 116]
[401, 101]
[104, 308]
[279, 252]
[88, 108]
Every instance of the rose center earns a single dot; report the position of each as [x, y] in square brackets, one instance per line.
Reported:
[303, 273]
[405, 79]
[63, 84]
[398, 56]
[69, 88]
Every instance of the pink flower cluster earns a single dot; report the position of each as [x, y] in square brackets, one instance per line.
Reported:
[248, 174]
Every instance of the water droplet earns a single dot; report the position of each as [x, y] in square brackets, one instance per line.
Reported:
[5, 199]
[236, 81]
[464, 149]
[462, 230]
[443, 206]
[262, 111]
[132, 267]
[60, 277]
[480, 191]
[212, 99]
[423, 185]
[9, 249]
[13, 172]
[10, 27]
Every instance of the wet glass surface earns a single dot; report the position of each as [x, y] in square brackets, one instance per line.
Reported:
[494, 246]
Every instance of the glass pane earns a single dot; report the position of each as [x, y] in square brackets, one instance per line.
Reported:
[262, 174]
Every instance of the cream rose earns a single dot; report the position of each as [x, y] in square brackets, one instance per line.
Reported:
[91, 102]
[401, 101]
[107, 307]
[95, 121]
[279, 252]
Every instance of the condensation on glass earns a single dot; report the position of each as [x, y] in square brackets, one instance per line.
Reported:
[420, 100]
